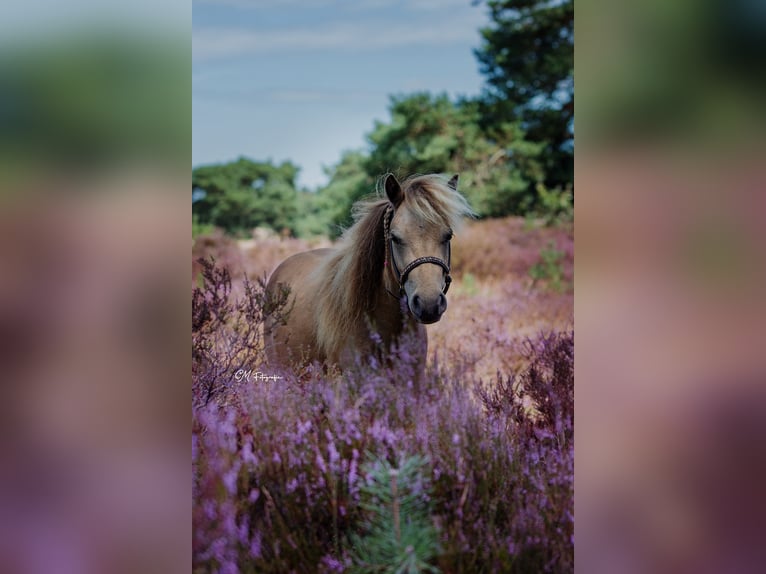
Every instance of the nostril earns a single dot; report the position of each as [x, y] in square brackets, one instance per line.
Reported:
[442, 303]
[416, 304]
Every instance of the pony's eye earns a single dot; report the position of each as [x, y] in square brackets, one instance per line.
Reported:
[397, 240]
[447, 238]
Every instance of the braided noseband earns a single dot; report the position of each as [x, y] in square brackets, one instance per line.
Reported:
[401, 277]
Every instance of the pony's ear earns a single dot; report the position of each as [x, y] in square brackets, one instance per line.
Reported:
[453, 181]
[393, 190]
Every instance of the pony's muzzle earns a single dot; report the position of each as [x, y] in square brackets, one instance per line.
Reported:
[428, 311]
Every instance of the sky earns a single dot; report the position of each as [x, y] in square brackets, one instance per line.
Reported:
[305, 80]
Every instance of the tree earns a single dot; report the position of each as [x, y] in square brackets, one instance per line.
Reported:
[349, 182]
[431, 134]
[527, 56]
[244, 194]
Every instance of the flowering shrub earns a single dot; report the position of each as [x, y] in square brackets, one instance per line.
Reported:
[504, 249]
[283, 467]
[490, 328]
[226, 333]
[218, 246]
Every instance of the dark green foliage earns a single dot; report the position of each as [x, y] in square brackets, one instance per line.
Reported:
[349, 182]
[426, 134]
[549, 268]
[244, 194]
[555, 205]
[93, 100]
[398, 533]
[200, 228]
[432, 134]
[527, 56]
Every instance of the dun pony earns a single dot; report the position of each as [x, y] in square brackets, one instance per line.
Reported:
[389, 273]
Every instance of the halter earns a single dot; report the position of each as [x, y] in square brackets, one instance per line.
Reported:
[402, 277]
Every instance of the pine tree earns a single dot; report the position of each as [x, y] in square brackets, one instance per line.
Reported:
[527, 56]
[398, 535]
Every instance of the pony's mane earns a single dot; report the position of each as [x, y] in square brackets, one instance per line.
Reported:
[351, 280]
[431, 198]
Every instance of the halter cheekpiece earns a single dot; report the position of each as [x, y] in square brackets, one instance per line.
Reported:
[401, 277]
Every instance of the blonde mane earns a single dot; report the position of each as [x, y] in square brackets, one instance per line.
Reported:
[351, 280]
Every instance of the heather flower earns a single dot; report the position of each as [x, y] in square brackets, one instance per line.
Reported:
[248, 456]
[321, 463]
[331, 564]
[352, 470]
[292, 485]
[255, 545]
[280, 470]
[230, 479]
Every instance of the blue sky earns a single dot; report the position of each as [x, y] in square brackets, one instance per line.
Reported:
[304, 80]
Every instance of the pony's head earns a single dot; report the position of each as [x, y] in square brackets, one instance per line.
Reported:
[423, 214]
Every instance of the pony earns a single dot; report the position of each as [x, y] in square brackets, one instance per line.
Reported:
[389, 274]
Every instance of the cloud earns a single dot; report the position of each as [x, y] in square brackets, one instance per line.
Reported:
[210, 43]
[267, 3]
[342, 5]
[298, 96]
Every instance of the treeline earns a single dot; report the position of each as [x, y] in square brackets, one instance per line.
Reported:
[513, 145]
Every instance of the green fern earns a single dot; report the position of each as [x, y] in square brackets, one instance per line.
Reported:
[398, 535]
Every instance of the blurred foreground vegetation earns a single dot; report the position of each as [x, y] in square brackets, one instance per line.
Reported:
[513, 145]
[101, 100]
